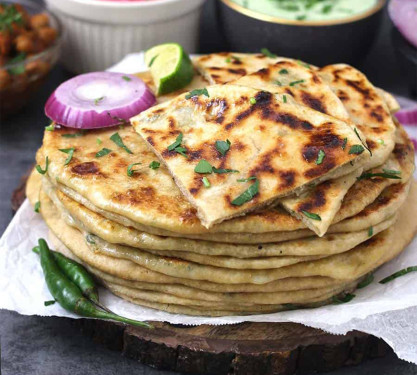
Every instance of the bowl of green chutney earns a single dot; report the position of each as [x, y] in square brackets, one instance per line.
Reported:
[317, 31]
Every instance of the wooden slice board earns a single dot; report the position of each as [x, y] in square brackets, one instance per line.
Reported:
[232, 349]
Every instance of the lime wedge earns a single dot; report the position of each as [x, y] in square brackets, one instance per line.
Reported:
[170, 67]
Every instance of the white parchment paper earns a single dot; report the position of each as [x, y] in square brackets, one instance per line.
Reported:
[388, 311]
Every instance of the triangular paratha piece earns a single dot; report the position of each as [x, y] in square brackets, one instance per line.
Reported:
[223, 67]
[307, 88]
[366, 108]
[286, 147]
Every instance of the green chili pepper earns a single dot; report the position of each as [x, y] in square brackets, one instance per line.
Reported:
[69, 295]
[78, 275]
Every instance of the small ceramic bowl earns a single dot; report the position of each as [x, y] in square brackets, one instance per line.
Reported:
[100, 33]
[21, 80]
[318, 42]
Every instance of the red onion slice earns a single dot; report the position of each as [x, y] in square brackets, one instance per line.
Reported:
[404, 15]
[98, 100]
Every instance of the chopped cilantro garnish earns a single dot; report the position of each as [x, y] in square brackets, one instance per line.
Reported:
[284, 98]
[366, 281]
[98, 100]
[302, 63]
[370, 231]
[181, 150]
[320, 157]
[311, 215]
[267, 52]
[283, 71]
[247, 195]
[50, 128]
[398, 274]
[296, 82]
[130, 169]
[222, 170]
[126, 78]
[368, 175]
[206, 182]
[119, 142]
[177, 142]
[246, 179]
[233, 58]
[104, 151]
[20, 67]
[346, 298]
[391, 171]
[74, 135]
[70, 152]
[222, 146]
[203, 166]
[154, 164]
[327, 9]
[43, 171]
[197, 92]
[37, 206]
[99, 141]
[176, 146]
[344, 143]
[252, 101]
[363, 143]
[356, 149]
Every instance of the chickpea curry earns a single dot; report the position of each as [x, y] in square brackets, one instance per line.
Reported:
[22, 36]
[28, 50]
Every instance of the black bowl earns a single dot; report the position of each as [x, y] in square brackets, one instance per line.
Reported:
[346, 40]
[407, 57]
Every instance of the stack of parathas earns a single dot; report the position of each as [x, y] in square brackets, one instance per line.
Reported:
[327, 170]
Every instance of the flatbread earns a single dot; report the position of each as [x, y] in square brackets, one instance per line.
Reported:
[269, 139]
[310, 90]
[366, 108]
[173, 216]
[219, 68]
[280, 254]
[126, 270]
[324, 200]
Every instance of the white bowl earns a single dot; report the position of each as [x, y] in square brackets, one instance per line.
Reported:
[99, 33]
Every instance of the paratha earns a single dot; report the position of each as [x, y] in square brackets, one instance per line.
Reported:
[218, 68]
[366, 108]
[114, 195]
[403, 233]
[346, 266]
[278, 143]
[286, 253]
[324, 200]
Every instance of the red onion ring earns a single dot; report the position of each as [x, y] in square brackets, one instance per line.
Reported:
[98, 100]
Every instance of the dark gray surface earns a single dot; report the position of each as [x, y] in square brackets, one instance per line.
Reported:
[34, 345]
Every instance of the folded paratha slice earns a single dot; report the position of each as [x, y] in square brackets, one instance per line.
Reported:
[304, 85]
[367, 109]
[300, 82]
[219, 68]
[323, 202]
[280, 147]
